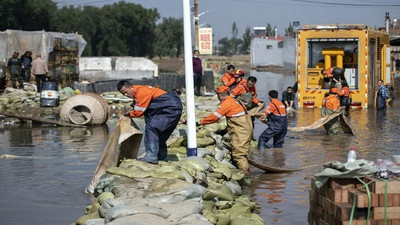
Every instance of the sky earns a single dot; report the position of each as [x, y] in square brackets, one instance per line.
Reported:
[221, 14]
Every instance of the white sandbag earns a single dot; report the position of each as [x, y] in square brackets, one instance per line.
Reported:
[95, 222]
[127, 210]
[140, 219]
[191, 191]
[181, 210]
[195, 219]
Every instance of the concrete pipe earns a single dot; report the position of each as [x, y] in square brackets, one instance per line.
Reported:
[87, 108]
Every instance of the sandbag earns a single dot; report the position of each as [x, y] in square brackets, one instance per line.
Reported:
[103, 196]
[127, 210]
[195, 219]
[180, 210]
[252, 219]
[95, 222]
[223, 193]
[139, 219]
[179, 195]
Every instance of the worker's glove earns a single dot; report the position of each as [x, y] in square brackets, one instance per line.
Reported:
[197, 124]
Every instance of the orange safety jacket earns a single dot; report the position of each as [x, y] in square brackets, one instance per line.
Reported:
[331, 102]
[275, 107]
[228, 107]
[228, 80]
[142, 97]
[242, 88]
[345, 92]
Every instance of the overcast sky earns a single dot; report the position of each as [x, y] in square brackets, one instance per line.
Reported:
[279, 13]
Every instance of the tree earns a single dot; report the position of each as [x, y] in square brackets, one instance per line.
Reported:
[27, 14]
[245, 48]
[289, 32]
[269, 30]
[234, 40]
[224, 45]
[169, 37]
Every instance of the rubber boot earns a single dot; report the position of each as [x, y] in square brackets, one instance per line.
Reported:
[151, 152]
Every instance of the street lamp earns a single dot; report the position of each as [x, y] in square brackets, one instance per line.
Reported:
[196, 25]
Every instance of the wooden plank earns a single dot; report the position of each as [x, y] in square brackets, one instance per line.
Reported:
[39, 119]
[391, 213]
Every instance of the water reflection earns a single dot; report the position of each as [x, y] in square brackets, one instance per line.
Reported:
[45, 179]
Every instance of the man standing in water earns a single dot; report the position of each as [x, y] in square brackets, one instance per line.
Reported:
[161, 111]
[277, 122]
[239, 126]
[382, 96]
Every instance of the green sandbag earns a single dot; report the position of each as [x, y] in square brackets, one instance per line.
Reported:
[214, 127]
[133, 172]
[237, 174]
[224, 169]
[166, 185]
[82, 220]
[204, 141]
[192, 167]
[178, 149]
[223, 193]
[245, 201]
[129, 163]
[178, 143]
[105, 195]
[210, 217]
[223, 217]
[208, 206]
[167, 172]
[252, 219]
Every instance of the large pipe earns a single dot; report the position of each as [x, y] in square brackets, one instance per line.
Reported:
[191, 115]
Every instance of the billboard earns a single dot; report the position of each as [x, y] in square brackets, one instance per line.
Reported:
[205, 41]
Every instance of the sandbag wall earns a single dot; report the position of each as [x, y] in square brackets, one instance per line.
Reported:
[333, 202]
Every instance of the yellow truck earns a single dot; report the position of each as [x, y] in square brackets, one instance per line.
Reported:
[363, 52]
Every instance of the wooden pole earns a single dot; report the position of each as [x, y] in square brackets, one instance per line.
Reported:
[37, 118]
[196, 24]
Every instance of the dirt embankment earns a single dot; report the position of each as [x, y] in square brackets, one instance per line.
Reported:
[216, 63]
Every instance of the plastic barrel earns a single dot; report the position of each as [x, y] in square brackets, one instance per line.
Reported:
[49, 95]
[87, 108]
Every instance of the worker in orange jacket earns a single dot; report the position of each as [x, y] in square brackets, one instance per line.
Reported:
[247, 86]
[239, 126]
[161, 111]
[228, 79]
[329, 105]
[277, 122]
[345, 97]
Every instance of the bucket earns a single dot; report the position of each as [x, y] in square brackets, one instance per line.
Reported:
[49, 95]
[87, 108]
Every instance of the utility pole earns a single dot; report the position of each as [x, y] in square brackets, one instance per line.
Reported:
[196, 24]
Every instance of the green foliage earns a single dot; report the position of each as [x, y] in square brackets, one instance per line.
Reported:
[27, 14]
[290, 31]
[169, 38]
[245, 48]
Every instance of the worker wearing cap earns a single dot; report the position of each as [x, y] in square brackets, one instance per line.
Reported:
[329, 105]
[239, 126]
[277, 122]
[161, 111]
[228, 79]
[246, 86]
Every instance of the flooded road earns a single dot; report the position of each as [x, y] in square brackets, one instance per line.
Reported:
[44, 184]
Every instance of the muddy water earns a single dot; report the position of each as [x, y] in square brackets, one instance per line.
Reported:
[284, 197]
[45, 184]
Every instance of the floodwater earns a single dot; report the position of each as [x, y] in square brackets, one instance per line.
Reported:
[44, 184]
